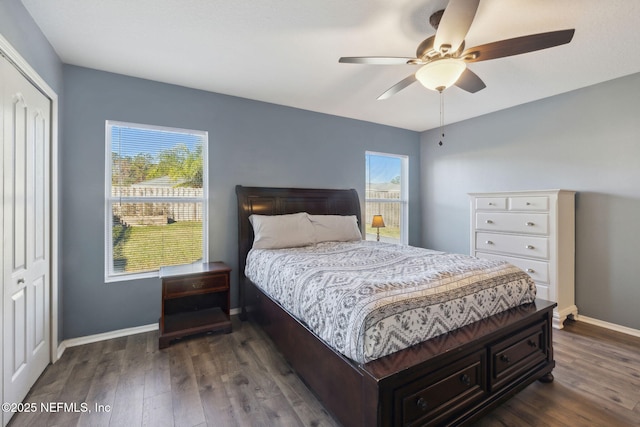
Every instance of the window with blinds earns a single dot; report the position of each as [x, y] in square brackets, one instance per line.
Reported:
[156, 199]
[386, 194]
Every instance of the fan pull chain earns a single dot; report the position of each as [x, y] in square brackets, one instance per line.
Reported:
[441, 117]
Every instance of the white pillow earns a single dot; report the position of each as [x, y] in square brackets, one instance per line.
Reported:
[335, 228]
[282, 231]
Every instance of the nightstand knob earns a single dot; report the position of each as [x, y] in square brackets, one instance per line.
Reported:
[530, 247]
[489, 242]
[530, 270]
[505, 358]
[489, 221]
[197, 285]
[530, 224]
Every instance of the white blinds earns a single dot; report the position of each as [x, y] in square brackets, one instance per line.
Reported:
[156, 198]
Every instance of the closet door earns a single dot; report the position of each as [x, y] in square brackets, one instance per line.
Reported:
[26, 130]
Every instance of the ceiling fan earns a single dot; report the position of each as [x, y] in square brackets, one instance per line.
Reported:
[443, 57]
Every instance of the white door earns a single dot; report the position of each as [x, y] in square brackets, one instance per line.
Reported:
[26, 130]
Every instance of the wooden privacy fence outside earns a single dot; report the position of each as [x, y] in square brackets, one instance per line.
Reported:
[390, 211]
[140, 212]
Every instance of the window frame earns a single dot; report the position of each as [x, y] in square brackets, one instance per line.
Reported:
[404, 192]
[109, 275]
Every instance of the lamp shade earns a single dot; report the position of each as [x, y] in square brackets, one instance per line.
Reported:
[441, 73]
[377, 221]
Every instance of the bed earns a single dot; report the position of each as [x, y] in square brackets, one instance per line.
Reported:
[452, 378]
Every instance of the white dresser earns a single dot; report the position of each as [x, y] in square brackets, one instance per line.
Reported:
[534, 230]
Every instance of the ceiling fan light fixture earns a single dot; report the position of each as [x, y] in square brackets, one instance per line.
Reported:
[441, 73]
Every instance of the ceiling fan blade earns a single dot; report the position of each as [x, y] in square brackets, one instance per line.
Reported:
[518, 45]
[375, 60]
[470, 82]
[454, 24]
[398, 87]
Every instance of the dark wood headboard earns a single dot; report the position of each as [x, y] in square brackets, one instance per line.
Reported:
[279, 201]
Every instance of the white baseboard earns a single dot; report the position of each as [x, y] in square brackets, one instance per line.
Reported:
[607, 325]
[104, 336]
[114, 334]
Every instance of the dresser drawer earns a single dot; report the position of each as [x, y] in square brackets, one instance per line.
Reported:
[491, 203]
[431, 399]
[529, 203]
[542, 292]
[515, 355]
[527, 246]
[195, 285]
[538, 270]
[529, 223]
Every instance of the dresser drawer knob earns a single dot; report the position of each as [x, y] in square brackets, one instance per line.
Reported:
[530, 224]
[197, 285]
[489, 242]
[528, 203]
[465, 379]
[530, 270]
[505, 358]
[489, 221]
[422, 404]
[530, 247]
[532, 343]
[490, 203]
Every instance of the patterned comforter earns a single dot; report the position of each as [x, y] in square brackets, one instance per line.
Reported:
[369, 299]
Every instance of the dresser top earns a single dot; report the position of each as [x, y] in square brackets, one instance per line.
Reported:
[523, 192]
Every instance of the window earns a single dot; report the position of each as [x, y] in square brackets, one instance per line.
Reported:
[156, 199]
[386, 194]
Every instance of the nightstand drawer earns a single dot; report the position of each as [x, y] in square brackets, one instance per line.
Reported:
[197, 284]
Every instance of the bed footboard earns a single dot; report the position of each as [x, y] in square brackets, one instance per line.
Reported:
[451, 379]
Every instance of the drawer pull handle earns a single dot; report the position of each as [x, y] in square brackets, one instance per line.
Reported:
[532, 343]
[530, 224]
[530, 247]
[530, 270]
[489, 221]
[465, 379]
[505, 358]
[197, 285]
[20, 280]
[422, 404]
[490, 203]
[489, 242]
[528, 203]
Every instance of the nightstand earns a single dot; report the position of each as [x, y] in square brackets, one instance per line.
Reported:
[195, 298]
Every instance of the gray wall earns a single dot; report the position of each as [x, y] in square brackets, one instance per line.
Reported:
[587, 140]
[250, 143]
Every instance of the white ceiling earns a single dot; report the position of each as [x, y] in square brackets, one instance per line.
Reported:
[286, 51]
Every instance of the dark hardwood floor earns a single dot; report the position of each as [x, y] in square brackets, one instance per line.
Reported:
[239, 379]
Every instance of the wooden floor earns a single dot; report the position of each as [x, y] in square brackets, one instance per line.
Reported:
[239, 379]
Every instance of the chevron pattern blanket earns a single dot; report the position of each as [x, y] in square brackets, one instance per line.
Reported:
[370, 299]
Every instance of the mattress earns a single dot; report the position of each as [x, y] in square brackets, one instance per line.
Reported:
[370, 299]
